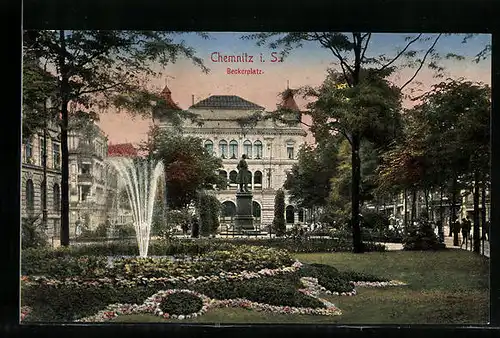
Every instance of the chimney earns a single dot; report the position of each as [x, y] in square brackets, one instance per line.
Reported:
[192, 99]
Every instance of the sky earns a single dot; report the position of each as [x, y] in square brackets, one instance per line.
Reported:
[304, 66]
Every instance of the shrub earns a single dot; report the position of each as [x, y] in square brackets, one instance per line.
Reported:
[63, 265]
[33, 235]
[375, 220]
[279, 226]
[181, 303]
[422, 237]
[125, 230]
[209, 209]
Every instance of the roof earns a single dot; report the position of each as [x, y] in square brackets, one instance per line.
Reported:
[167, 95]
[122, 149]
[226, 102]
[288, 101]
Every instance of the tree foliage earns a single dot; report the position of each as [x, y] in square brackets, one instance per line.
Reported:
[189, 166]
[309, 181]
[98, 69]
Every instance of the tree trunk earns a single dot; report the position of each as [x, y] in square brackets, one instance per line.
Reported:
[413, 205]
[476, 243]
[453, 215]
[426, 196]
[405, 209]
[64, 142]
[441, 217]
[483, 215]
[356, 178]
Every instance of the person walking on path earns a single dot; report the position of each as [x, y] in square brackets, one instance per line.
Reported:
[487, 230]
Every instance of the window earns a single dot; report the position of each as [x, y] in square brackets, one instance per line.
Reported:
[85, 168]
[28, 151]
[233, 149]
[228, 210]
[56, 197]
[43, 195]
[56, 155]
[257, 178]
[209, 146]
[289, 152]
[30, 197]
[42, 152]
[258, 149]
[247, 148]
[289, 214]
[233, 176]
[223, 148]
[301, 215]
[256, 211]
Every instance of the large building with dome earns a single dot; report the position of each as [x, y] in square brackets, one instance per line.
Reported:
[271, 148]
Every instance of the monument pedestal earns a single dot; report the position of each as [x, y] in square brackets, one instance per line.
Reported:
[243, 220]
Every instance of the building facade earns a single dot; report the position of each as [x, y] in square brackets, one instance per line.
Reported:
[93, 186]
[32, 179]
[271, 148]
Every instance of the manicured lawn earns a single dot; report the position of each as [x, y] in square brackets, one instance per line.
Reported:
[449, 287]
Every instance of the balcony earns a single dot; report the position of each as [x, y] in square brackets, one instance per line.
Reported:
[85, 179]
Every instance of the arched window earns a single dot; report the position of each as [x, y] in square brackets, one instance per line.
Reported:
[233, 177]
[56, 197]
[256, 211]
[209, 146]
[247, 148]
[289, 214]
[223, 173]
[228, 210]
[257, 179]
[30, 197]
[301, 215]
[43, 195]
[233, 149]
[223, 148]
[290, 150]
[258, 149]
[28, 151]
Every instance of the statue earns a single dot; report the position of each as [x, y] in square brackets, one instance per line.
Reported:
[243, 174]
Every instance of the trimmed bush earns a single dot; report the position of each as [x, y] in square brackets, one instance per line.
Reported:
[181, 303]
[279, 226]
[33, 234]
[422, 237]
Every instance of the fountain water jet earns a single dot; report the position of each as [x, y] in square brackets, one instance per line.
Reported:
[140, 178]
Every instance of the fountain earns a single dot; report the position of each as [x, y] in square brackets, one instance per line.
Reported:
[140, 178]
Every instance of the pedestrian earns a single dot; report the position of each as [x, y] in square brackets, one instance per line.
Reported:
[466, 226]
[487, 230]
[195, 228]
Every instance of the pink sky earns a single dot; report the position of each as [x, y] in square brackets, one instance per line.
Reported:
[261, 89]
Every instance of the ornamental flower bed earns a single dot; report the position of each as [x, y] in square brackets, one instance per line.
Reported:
[140, 280]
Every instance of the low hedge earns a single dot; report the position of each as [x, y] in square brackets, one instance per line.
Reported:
[68, 303]
[180, 247]
[277, 290]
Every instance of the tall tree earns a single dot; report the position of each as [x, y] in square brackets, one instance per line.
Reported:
[309, 181]
[99, 69]
[353, 52]
[465, 106]
[189, 166]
